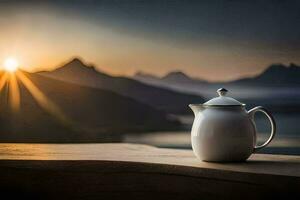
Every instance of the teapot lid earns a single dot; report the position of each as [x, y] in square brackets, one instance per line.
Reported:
[223, 100]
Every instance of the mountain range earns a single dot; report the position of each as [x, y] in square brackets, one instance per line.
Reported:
[278, 87]
[163, 99]
[100, 107]
[276, 75]
[94, 114]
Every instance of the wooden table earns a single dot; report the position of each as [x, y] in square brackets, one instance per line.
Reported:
[129, 171]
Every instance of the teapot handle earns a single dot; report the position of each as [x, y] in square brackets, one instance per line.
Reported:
[272, 121]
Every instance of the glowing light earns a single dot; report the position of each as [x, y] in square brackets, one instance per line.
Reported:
[11, 65]
[11, 78]
[42, 100]
[3, 81]
[14, 92]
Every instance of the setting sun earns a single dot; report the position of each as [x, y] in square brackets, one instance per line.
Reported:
[11, 65]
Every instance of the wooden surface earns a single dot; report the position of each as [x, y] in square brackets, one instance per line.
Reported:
[128, 171]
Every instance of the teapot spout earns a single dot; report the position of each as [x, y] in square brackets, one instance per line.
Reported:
[196, 108]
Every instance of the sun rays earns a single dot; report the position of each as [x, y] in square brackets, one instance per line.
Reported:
[3, 80]
[11, 78]
[41, 99]
[14, 92]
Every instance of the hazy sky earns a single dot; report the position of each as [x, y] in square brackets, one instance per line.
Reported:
[215, 40]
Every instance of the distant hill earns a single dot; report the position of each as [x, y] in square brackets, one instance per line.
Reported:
[178, 81]
[276, 74]
[277, 87]
[95, 115]
[163, 99]
[176, 76]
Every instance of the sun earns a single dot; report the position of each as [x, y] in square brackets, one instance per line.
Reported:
[11, 65]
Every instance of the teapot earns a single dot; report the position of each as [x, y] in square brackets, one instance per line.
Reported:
[224, 131]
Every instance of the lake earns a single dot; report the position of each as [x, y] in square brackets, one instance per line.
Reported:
[286, 141]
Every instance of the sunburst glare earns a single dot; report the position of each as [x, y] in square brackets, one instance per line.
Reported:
[41, 99]
[11, 78]
[11, 65]
[14, 92]
[3, 81]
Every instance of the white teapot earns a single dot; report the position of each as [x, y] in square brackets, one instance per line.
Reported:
[224, 131]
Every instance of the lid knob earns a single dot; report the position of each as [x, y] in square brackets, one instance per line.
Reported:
[222, 92]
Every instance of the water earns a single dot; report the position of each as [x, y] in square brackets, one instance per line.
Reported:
[286, 141]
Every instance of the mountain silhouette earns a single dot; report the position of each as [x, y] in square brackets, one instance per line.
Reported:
[277, 87]
[94, 115]
[163, 99]
[177, 76]
[178, 81]
[276, 74]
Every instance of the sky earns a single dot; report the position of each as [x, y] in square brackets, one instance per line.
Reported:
[213, 40]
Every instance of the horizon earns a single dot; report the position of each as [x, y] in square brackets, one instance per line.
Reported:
[157, 37]
[100, 70]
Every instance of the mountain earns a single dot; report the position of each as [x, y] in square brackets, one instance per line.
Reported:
[176, 80]
[87, 114]
[276, 74]
[163, 99]
[278, 87]
[176, 76]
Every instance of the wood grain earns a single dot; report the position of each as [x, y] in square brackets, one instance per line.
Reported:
[128, 171]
